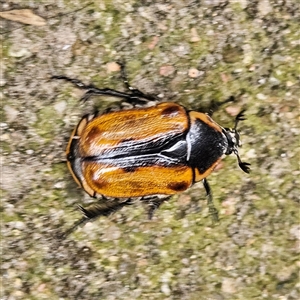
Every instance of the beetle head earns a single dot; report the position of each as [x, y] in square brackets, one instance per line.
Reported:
[234, 142]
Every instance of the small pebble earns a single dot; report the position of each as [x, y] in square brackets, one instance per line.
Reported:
[11, 113]
[166, 70]
[112, 67]
[194, 73]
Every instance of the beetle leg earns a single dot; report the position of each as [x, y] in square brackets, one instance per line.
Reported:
[243, 165]
[92, 90]
[136, 93]
[211, 208]
[134, 97]
[214, 106]
[152, 207]
[153, 204]
[95, 211]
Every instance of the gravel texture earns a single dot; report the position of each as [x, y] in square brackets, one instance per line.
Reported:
[197, 53]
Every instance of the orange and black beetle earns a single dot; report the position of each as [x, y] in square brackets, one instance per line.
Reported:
[146, 152]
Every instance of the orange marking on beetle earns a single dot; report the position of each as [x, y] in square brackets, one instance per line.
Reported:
[78, 181]
[87, 188]
[199, 176]
[81, 181]
[112, 181]
[93, 135]
[82, 124]
[194, 115]
[141, 124]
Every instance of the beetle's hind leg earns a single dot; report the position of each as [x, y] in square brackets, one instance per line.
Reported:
[97, 210]
[137, 95]
[211, 207]
[92, 90]
[134, 97]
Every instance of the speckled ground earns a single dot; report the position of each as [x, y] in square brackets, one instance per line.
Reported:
[192, 52]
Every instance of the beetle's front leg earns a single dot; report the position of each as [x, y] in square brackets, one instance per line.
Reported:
[210, 203]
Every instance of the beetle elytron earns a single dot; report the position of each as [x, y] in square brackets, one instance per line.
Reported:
[147, 152]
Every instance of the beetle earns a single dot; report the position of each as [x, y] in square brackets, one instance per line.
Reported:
[148, 152]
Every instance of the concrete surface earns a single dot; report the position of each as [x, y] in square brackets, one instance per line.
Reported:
[196, 53]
